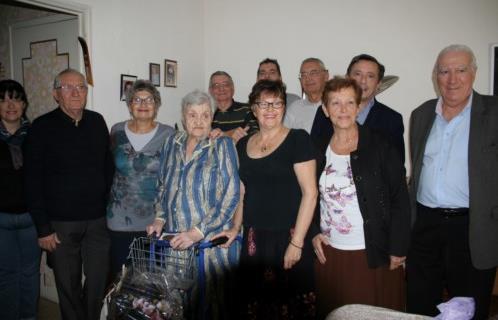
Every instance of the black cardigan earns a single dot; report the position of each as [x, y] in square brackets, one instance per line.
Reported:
[381, 189]
[68, 169]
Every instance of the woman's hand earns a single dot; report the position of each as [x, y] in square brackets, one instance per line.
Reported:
[231, 234]
[186, 239]
[396, 262]
[156, 227]
[292, 255]
[318, 241]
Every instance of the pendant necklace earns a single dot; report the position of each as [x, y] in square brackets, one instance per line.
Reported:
[267, 145]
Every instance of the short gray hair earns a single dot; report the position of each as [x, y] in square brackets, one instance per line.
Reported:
[57, 80]
[143, 85]
[219, 73]
[194, 98]
[315, 60]
[456, 48]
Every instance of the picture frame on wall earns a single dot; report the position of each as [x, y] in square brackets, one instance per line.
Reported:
[155, 74]
[170, 73]
[126, 83]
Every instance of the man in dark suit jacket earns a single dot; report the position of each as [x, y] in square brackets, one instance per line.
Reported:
[454, 153]
[368, 73]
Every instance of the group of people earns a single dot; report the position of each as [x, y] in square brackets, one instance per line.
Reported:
[311, 194]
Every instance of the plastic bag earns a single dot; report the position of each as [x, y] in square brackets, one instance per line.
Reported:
[143, 295]
[458, 308]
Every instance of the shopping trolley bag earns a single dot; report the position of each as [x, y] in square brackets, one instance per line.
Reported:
[155, 282]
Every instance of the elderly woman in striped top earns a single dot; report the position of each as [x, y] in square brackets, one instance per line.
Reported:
[198, 195]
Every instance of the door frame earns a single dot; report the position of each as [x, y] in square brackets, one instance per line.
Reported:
[83, 12]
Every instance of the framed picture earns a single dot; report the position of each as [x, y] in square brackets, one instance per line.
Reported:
[170, 73]
[493, 73]
[155, 74]
[126, 83]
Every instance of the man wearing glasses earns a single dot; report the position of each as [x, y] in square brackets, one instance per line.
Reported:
[68, 174]
[312, 75]
[233, 118]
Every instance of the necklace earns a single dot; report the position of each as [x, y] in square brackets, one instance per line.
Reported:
[268, 146]
[346, 146]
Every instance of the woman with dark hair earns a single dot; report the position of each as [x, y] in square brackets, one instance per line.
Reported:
[277, 170]
[19, 250]
[136, 147]
[364, 210]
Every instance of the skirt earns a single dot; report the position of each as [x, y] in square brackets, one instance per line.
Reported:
[345, 278]
[268, 291]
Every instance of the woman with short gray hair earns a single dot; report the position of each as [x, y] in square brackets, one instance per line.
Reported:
[198, 195]
[136, 145]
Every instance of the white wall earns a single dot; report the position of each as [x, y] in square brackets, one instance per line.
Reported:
[406, 36]
[127, 35]
[234, 35]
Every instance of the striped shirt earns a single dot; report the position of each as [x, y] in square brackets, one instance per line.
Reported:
[237, 115]
[202, 192]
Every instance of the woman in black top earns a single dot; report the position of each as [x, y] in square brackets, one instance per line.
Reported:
[277, 169]
[19, 251]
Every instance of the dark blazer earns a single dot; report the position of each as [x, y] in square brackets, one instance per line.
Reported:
[483, 172]
[382, 193]
[381, 118]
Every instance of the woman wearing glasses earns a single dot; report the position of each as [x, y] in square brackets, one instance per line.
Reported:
[364, 210]
[277, 170]
[135, 145]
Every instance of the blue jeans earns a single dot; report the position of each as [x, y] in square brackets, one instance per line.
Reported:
[19, 267]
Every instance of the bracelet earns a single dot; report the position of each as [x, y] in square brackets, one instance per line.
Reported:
[295, 245]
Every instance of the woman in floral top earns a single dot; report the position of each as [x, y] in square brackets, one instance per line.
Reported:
[364, 210]
[136, 146]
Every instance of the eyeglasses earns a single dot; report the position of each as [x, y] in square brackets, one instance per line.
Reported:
[70, 88]
[138, 101]
[221, 85]
[265, 105]
[310, 74]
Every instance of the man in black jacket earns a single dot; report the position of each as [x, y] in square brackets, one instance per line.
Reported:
[68, 175]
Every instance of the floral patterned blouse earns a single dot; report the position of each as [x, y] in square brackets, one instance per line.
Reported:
[131, 203]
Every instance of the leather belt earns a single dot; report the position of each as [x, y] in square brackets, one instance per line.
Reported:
[446, 212]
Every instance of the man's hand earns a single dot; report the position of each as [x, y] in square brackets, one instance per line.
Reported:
[237, 133]
[396, 262]
[216, 133]
[49, 242]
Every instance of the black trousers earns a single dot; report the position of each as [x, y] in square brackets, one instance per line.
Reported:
[439, 258]
[83, 243]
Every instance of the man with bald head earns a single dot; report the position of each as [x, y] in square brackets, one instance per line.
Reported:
[454, 154]
[68, 173]
[301, 113]
[231, 118]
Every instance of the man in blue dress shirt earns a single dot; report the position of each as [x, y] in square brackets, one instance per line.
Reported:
[454, 153]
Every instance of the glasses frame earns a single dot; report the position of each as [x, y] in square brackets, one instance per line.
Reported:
[269, 104]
